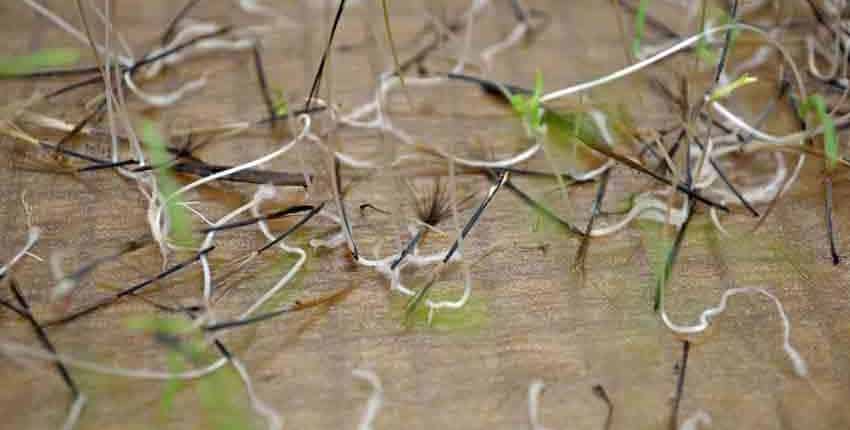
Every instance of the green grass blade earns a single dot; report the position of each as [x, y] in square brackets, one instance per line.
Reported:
[181, 223]
[39, 60]
[640, 26]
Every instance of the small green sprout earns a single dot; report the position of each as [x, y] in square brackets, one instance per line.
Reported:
[640, 26]
[181, 223]
[727, 90]
[39, 60]
[530, 109]
[279, 104]
[816, 104]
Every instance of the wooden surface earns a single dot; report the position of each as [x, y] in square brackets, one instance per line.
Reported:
[529, 316]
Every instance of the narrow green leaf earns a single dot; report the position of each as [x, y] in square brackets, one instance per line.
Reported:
[727, 90]
[181, 223]
[830, 142]
[39, 60]
[640, 25]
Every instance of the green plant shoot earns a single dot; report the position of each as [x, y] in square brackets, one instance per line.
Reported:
[727, 90]
[181, 224]
[529, 108]
[39, 60]
[816, 104]
[640, 26]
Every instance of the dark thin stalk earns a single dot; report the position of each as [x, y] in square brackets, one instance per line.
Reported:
[251, 176]
[519, 13]
[148, 59]
[80, 125]
[411, 244]
[111, 165]
[172, 26]
[55, 73]
[292, 229]
[475, 216]
[581, 255]
[634, 165]
[72, 153]
[680, 386]
[253, 220]
[74, 86]
[829, 230]
[317, 81]
[128, 291]
[127, 248]
[415, 300]
[724, 53]
[537, 206]
[671, 257]
[600, 392]
[298, 112]
[489, 86]
[261, 79]
[346, 224]
[728, 183]
[365, 206]
[25, 312]
[297, 306]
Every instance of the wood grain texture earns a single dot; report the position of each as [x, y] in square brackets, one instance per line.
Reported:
[529, 318]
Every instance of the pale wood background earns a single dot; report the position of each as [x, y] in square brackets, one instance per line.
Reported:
[529, 317]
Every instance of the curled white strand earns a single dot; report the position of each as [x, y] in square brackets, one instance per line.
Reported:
[302, 257]
[375, 399]
[272, 417]
[513, 38]
[705, 320]
[32, 238]
[168, 99]
[699, 419]
[74, 412]
[13, 348]
[535, 390]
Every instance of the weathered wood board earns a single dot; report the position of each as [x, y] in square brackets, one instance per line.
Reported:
[529, 316]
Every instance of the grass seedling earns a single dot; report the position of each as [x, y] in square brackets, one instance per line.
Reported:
[635, 165]
[431, 209]
[386, 9]
[473, 220]
[529, 107]
[317, 80]
[26, 65]
[667, 271]
[815, 105]
[343, 213]
[581, 255]
[178, 217]
[263, 83]
[216, 392]
[640, 25]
